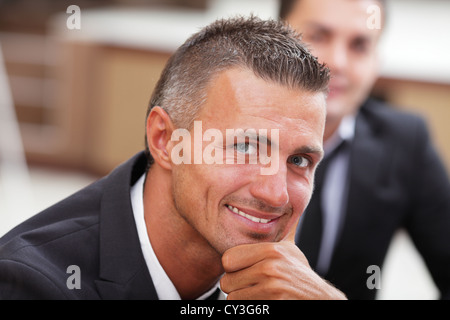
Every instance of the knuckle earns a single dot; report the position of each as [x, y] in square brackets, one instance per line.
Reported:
[273, 288]
[226, 261]
[275, 250]
[224, 284]
[270, 269]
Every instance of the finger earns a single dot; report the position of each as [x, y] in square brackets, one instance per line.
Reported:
[239, 280]
[269, 290]
[245, 255]
[249, 293]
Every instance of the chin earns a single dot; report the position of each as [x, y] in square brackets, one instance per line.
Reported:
[232, 241]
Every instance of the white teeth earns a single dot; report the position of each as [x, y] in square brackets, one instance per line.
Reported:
[245, 215]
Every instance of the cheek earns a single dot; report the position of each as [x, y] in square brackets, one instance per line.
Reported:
[184, 193]
[201, 187]
[300, 192]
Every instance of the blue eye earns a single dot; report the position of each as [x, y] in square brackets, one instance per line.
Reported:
[245, 147]
[299, 161]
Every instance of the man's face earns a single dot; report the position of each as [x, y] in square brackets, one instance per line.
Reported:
[214, 198]
[337, 33]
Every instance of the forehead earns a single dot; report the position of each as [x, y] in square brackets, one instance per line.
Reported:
[343, 16]
[236, 98]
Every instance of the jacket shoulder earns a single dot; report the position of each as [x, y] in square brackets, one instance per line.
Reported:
[76, 212]
[387, 120]
[35, 256]
[41, 250]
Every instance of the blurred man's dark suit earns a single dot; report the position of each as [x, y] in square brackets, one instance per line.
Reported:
[396, 181]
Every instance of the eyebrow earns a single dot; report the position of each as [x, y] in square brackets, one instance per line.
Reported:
[319, 27]
[251, 135]
[310, 150]
[329, 31]
[307, 149]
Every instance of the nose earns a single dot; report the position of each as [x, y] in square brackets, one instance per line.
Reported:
[272, 189]
[337, 58]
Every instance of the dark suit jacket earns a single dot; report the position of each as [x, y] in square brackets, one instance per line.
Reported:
[396, 181]
[95, 230]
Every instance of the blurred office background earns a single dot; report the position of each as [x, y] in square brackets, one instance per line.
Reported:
[73, 102]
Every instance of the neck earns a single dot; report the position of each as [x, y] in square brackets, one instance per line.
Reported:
[331, 127]
[190, 262]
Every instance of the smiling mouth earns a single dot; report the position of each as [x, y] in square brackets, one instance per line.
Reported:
[247, 216]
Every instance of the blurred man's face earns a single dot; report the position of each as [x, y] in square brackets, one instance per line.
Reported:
[337, 33]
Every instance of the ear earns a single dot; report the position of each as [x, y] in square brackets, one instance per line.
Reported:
[159, 131]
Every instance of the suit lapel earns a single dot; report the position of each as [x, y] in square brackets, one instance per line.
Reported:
[123, 271]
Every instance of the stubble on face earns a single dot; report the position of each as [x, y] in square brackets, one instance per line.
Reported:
[201, 192]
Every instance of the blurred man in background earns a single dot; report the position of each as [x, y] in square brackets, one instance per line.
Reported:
[380, 172]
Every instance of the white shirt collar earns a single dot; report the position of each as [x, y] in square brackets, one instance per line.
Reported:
[345, 132]
[163, 285]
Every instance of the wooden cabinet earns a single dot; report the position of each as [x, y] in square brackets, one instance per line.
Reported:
[104, 100]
